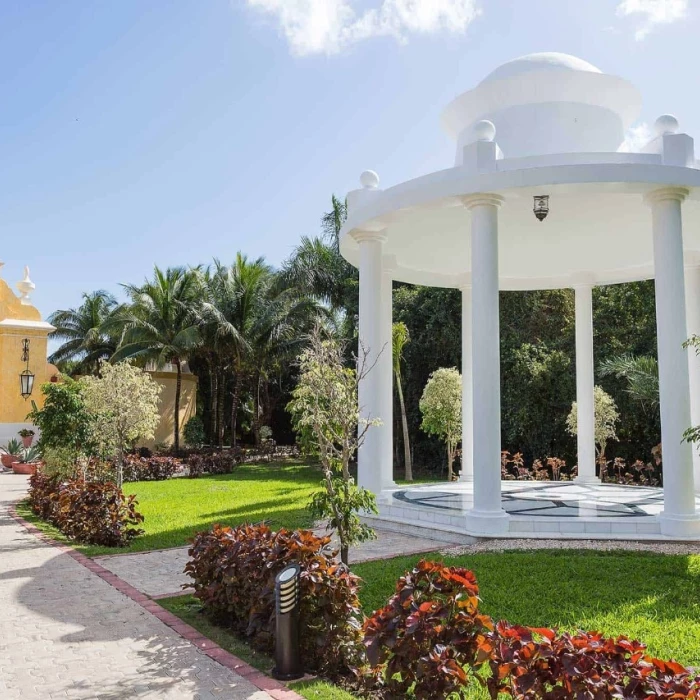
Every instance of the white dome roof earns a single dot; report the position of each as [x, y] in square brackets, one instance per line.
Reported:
[536, 62]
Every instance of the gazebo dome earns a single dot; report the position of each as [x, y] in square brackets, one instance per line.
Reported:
[546, 103]
[549, 60]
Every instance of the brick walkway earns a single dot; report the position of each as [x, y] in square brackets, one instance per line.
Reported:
[160, 573]
[66, 633]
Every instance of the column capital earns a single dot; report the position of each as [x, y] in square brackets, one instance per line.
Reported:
[482, 199]
[361, 235]
[667, 194]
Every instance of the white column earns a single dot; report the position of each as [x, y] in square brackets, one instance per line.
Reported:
[385, 370]
[370, 344]
[585, 405]
[487, 517]
[679, 517]
[692, 316]
[467, 473]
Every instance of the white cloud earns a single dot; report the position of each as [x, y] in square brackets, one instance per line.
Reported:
[329, 26]
[653, 12]
[636, 138]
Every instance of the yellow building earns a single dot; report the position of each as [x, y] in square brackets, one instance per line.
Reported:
[21, 326]
[167, 378]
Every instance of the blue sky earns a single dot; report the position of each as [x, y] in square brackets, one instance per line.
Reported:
[135, 132]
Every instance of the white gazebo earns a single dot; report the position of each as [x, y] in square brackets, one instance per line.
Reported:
[545, 125]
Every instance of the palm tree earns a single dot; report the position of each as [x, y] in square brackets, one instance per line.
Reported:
[641, 373]
[316, 268]
[400, 338]
[160, 325]
[235, 300]
[82, 329]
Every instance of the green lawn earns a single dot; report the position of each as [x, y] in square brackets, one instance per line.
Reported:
[176, 509]
[655, 598]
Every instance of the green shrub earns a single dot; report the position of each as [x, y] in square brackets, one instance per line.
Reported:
[234, 572]
[193, 432]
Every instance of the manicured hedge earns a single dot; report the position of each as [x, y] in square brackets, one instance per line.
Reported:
[234, 572]
[91, 512]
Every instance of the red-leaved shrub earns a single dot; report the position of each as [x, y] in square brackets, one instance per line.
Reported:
[153, 468]
[234, 572]
[91, 512]
[429, 632]
[541, 663]
[430, 642]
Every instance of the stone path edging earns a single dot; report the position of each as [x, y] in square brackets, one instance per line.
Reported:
[272, 687]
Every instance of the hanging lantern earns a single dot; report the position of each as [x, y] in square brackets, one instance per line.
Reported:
[541, 206]
[26, 378]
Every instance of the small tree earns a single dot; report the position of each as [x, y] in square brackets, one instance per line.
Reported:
[124, 400]
[401, 338]
[325, 413]
[66, 424]
[441, 406]
[606, 417]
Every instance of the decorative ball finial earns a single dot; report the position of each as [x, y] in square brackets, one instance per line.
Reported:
[369, 180]
[25, 287]
[485, 130]
[666, 124]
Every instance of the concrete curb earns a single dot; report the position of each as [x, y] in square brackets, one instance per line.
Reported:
[274, 688]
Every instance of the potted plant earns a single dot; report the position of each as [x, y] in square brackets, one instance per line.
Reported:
[11, 453]
[29, 459]
[27, 437]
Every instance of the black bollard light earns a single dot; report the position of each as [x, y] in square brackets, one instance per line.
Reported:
[287, 597]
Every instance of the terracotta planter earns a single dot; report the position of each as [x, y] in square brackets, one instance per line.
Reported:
[19, 468]
[8, 460]
[27, 441]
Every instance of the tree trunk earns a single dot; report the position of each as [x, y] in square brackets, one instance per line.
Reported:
[449, 462]
[256, 411]
[176, 422]
[344, 554]
[234, 406]
[213, 404]
[408, 465]
[221, 383]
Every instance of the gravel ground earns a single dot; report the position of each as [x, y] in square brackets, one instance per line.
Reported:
[600, 545]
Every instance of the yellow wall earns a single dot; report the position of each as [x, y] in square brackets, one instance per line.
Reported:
[188, 405]
[19, 321]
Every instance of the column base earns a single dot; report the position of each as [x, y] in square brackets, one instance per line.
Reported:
[686, 527]
[386, 495]
[488, 523]
[590, 480]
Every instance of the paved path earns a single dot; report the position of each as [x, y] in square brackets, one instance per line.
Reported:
[65, 633]
[160, 573]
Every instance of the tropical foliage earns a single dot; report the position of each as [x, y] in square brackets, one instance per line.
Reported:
[239, 325]
[606, 418]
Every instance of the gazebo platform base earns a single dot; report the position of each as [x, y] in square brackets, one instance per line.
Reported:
[537, 509]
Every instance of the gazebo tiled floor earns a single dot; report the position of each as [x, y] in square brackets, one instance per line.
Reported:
[537, 509]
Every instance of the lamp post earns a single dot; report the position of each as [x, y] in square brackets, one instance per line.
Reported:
[287, 598]
[26, 377]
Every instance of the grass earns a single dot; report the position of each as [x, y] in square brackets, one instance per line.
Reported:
[651, 597]
[176, 509]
